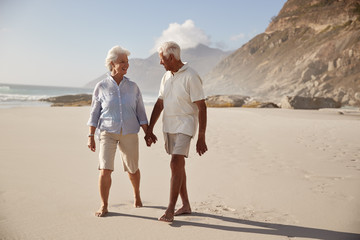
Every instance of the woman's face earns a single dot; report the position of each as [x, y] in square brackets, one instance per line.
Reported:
[121, 65]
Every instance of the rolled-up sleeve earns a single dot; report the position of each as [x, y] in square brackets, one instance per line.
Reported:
[196, 88]
[95, 109]
[140, 109]
[161, 90]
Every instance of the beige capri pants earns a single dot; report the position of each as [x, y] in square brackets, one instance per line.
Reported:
[129, 151]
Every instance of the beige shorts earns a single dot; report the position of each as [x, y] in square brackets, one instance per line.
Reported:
[129, 151]
[177, 143]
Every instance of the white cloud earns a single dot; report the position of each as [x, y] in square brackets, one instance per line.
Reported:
[241, 37]
[187, 35]
[238, 37]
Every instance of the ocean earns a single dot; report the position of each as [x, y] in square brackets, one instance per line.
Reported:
[17, 95]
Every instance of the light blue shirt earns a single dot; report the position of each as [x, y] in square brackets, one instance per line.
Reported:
[117, 108]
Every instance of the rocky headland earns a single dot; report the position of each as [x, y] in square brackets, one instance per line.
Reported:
[310, 49]
[76, 100]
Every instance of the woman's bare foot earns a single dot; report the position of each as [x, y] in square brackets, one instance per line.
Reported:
[167, 217]
[101, 212]
[183, 210]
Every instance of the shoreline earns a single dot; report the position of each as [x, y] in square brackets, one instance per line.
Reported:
[221, 101]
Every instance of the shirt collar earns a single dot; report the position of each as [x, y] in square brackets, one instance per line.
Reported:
[110, 78]
[183, 68]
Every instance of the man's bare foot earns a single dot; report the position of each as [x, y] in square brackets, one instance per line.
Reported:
[183, 210]
[138, 203]
[167, 217]
[101, 212]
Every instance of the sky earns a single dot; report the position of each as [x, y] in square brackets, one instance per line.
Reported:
[65, 42]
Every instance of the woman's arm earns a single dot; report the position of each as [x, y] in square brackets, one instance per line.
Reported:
[91, 141]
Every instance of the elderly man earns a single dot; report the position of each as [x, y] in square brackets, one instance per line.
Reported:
[181, 96]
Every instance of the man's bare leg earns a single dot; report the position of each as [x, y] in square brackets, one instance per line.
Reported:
[177, 166]
[185, 209]
[104, 187]
[135, 181]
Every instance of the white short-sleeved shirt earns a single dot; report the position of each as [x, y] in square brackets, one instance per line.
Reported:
[179, 92]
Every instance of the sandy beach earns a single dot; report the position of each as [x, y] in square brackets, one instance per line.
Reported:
[268, 174]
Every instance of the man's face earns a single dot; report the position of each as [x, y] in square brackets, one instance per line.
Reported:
[166, 62]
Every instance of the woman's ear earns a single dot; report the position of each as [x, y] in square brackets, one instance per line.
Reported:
[112, 65]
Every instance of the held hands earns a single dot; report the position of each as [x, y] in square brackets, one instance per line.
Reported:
[150, 138]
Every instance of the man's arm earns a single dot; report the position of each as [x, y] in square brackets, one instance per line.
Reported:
[201, 147]
[158, 107]
[144, 127]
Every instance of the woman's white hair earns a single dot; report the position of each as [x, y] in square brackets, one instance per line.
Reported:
[113, 55]
[168, 48]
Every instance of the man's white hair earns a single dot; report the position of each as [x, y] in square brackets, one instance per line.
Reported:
[168, 48]
[113, 55]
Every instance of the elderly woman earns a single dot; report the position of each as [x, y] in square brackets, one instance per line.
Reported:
[117, 112]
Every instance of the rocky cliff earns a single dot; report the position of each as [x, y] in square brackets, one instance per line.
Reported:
[311, 49]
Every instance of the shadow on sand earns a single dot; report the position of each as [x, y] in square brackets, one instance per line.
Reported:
[254, 226]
